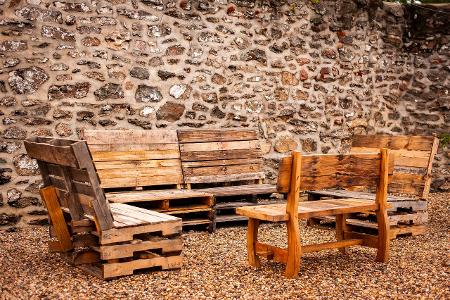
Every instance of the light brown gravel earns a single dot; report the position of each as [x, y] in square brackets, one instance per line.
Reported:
[215, 268]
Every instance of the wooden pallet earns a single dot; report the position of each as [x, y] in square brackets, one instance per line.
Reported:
[368, 227]
[108, 240]
[225, 163]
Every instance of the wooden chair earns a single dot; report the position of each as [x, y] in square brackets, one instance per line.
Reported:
[225, 163]
[408, 188]
[143, 167]
[308, 172]
[120, 238]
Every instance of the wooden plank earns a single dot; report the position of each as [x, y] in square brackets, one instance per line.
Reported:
[337, 181]
[141, 181]
[368, 240]
[103, 216]
[252, 240]
[269, 212]
[220, 155]
[402, 157]
[127, 250]
[219, 146]
[247, 189]
[76, 174]
[125, 136]
[135, 155]
[434, 150]
[345, 164]
[224, 178]
[332, 245]
[79, 187]
[150, 146]
[123, 197]
[105, 174]
[393, 142]
[48, 195]
[121, 164]
[60, 155]
[112, 270]
[222, 170]
[216, 135]
[221, 162]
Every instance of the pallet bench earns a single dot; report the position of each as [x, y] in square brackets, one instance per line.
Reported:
[107, 240]
[226, 163]
[143, 168]
[408, 188]
[308, 172]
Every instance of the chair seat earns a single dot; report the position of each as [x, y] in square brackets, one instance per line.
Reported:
[128, 216]
[308, 209]
[143, 196]
[248, 189]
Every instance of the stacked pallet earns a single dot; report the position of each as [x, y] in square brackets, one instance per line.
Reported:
[143, 168]
[227, 164]
[194, 208]
[406, 216]
[139, 241]
[107, 240]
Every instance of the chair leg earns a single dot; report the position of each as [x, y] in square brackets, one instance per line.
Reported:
[294, 249]
[383, 236]
[252, 238]
[341, 227]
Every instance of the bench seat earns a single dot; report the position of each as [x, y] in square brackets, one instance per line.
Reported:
[153, 195]
[277, 212]
[356, 194]
[128, 216]
[248, 189]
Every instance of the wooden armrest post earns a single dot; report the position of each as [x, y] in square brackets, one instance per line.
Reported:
[382, 218]
[293, 229]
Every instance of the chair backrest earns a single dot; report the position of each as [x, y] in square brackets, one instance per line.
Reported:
[414, 157]
[221, 155]
[135, 158]
[67, 165]
[319, 171]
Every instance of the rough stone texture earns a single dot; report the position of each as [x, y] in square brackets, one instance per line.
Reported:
[307, 76]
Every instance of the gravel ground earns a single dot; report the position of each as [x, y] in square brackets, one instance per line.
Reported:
[215, 268]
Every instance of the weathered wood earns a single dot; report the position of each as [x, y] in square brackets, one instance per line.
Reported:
[427, 183]
[60, 155]
[112, 270]
[332, 170]
[225, 177]
[49, 197]
[213, 135]
[246, 189]
[393, 142]
[381, 201]
[135, 155]
[220, 155]
[252, 239]
[222, 170]
[99, 137]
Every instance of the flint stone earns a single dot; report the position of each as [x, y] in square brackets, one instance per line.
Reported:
[27, 80]
[145, 93]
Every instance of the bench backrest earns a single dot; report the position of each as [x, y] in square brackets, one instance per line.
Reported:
[414, 157]
[216, 156]
[67, 165]
[135, 158]
[320, 171]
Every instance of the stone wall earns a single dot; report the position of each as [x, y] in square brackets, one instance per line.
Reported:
[306, 75]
